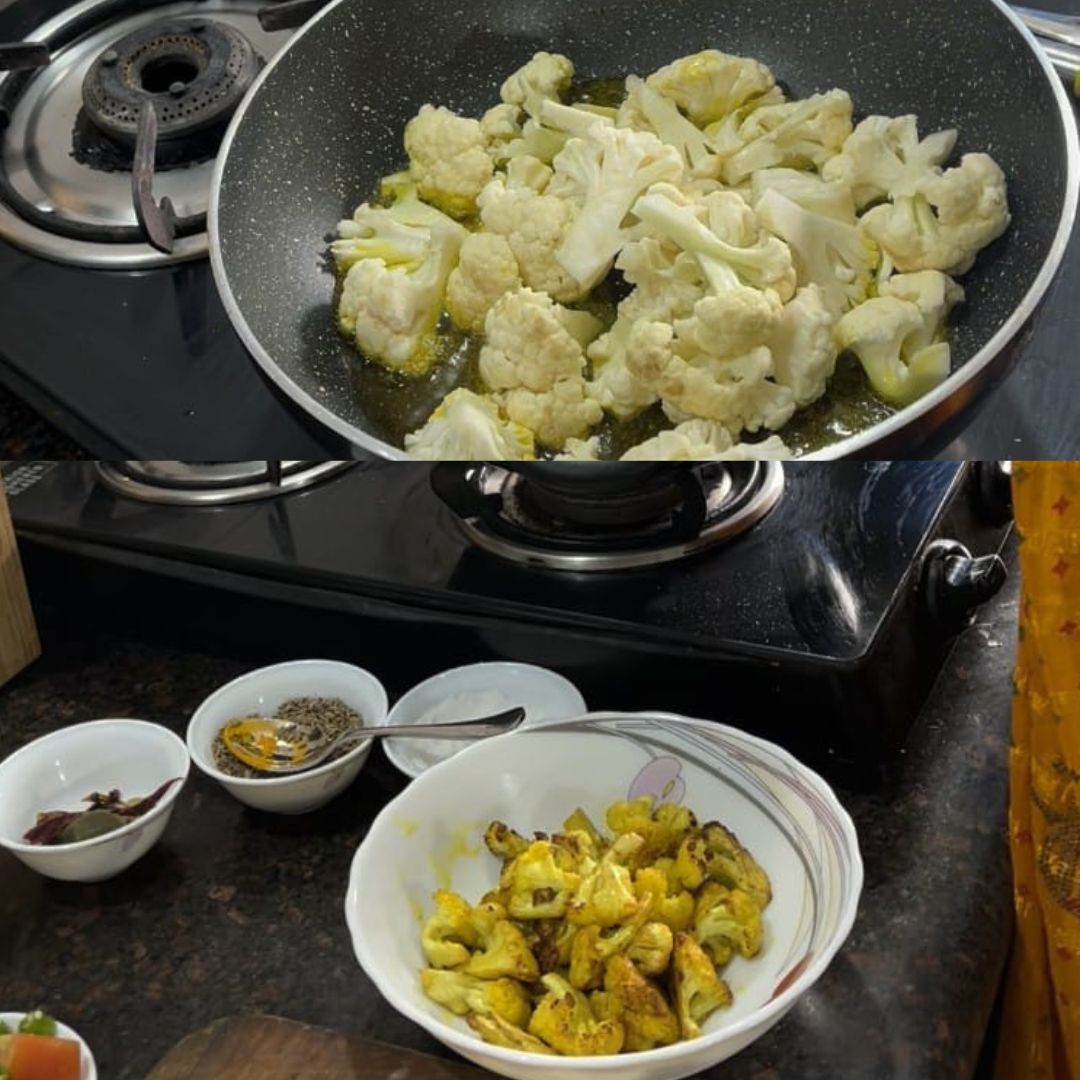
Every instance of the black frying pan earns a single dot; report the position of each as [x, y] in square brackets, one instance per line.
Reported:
[325, 121]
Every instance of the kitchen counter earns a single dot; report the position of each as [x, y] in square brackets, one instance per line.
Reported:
[236, 911]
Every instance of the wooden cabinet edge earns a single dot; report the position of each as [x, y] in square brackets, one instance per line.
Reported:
[19, 644]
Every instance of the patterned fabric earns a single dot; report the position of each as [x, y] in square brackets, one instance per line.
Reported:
[1040, 1037]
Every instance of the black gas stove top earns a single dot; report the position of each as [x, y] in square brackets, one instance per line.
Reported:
[822, 624]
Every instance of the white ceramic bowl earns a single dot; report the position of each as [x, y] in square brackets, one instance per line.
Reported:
[260, 693]
[532, 779]
[544, 694]
[88, 1069]
[56, 771]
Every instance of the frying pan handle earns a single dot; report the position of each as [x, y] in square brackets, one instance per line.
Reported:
[288, 14]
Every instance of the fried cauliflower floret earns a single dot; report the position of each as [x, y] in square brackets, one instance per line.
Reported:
[651, 947]
[710, 84]
[579, 821]
[697, 988]
[554, 943]
[539, 888]
[732, 865]
[565, 1021]
[504, 842]
[727, 921]
[647, 1018]
[803, 346]
[563, 412]
[691, 867]
[670, 905]
[448, 158]
[505, 954]
[884, 157]
[463, 994]
[448, 933]
[591, 950]
[493, 1029]
[606, 896]
[661, 829]
[947, 221]
[486, 270]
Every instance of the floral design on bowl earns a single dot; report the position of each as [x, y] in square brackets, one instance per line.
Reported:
[661, 779]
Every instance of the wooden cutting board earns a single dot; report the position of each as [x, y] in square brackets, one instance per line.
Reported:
[270, 1048]
[18, 635]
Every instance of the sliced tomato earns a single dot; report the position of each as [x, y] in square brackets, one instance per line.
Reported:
[43, 1057]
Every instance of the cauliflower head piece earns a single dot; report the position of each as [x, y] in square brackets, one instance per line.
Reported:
[493, 1029]
[546, 75]
[697, 988]
[727, 921]
[448, 158]
[463, 994]
[539, 887]
[486, 270]
[564, 1019]
[704, 440]
[398, 260]
[711, 84]
[647, 1018]
[884, 157]
[504, 954]
[533, 224]
[448, 934]
[835, 256]
[602, 174]
[947, 221]
[470, 427]
[650, 949]
[794, 134]
[563, 412]
[803, 346]
[668, 903]
[732, 865]
[831, 198]
[606, 895]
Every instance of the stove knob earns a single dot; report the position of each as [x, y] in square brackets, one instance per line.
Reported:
[955, 583]
[993, 491]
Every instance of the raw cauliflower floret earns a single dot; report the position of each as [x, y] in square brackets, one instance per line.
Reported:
[947, 221]
[470, 427]
[832, 198]
[735, 391]
[448, 158]
[486, 270]
[563, 412]
[603, 174]
[667, 281]
[533, 225]
[501, 127]
[646, 109]
[883, 157]
[546, 75]
[898, 336]
[831, 254]
[530, 342]
[710, 84]
[797, 133]
[692, 440]
[803, 347]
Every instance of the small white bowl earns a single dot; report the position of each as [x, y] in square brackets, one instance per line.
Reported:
[56, 771]
[260, 693]
[430, 837]
[544, 694]
[87, 1066]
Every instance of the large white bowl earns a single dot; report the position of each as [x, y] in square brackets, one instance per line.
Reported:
[56, 771]
[87, 1066]
[260, 693]
[544, 694]
[429, 836]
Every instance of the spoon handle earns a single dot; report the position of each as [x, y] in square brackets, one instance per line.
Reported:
[457, 729]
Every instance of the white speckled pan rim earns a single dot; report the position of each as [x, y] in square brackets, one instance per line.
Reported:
[933, 408]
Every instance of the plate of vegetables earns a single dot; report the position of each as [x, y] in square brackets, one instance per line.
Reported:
[36, 1046]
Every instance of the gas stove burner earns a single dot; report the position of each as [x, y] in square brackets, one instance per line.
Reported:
[614, 520]
[194, 70]
[207, 483]
[67, 152]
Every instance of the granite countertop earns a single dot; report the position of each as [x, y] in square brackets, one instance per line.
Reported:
[237, 912]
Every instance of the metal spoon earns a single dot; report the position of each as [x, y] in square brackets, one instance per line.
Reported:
[271, 745]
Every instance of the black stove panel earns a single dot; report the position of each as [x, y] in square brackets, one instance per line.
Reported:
[817, 577]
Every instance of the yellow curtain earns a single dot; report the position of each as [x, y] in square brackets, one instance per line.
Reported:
[1040, 1036]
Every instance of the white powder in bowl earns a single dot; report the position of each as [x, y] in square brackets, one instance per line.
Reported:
[470, 706]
